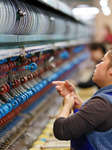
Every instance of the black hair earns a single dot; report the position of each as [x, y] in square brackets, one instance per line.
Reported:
[95, 46]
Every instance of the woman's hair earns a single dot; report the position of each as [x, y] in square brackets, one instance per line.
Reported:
[110, 57]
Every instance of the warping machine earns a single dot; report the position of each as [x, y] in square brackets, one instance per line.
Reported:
[40, 41]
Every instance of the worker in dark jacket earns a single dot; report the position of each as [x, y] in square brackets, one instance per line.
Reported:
[97, 51]
[90, 126]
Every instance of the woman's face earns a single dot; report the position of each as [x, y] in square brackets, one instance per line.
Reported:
[101, 72]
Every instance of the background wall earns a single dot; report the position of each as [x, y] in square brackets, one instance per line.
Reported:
[100, 21]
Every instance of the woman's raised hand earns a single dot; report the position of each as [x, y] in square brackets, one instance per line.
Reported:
[64, 88]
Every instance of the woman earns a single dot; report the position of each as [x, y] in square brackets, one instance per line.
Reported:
[90, 128]
[97, 52]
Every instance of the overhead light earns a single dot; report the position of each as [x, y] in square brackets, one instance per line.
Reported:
[86, 11]
[105, 8]
[104, 3]
[106, 11]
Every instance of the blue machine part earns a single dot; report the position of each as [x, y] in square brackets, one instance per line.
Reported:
[64, 55]
[31, 67]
